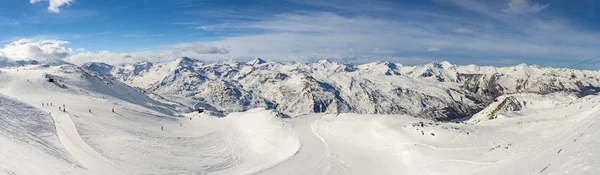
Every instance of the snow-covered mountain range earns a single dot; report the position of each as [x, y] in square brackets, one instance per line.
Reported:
[439, 91]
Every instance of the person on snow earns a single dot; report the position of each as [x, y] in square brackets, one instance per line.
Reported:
[113, 110]
[162, 128]
[90, 110]
[42, 104]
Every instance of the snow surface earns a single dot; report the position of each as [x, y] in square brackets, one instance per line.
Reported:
[148, 134]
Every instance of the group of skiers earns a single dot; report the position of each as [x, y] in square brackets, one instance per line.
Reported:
[59, 108]
[64, 107]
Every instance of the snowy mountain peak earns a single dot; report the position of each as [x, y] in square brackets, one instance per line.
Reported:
[101, 68]
[446, 64]
[324, 61]
[185, 63]
[138, 67]
[256, 61]
[143, 64]
[389, 65]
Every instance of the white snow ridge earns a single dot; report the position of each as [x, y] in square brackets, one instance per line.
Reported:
[325, 117]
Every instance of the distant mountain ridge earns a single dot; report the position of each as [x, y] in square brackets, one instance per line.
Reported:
[441, 91]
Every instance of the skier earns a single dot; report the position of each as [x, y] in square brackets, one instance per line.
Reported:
[113, 110]
[162, 128]
[50, 104]
[42, 104]
[90, 110]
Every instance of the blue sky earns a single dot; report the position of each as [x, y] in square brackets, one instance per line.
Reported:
[554, 33]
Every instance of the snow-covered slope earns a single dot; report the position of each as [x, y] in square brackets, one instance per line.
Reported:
[548, 134]
[557, 140]
[75, 131]
[504, 105]
[439, 91]
[28, 140]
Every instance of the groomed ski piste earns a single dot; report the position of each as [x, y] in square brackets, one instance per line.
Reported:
[149, 135]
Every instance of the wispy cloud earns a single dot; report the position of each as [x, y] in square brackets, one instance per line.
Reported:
[197, 48]
[322, 50]
[462, 30]
[8, 22]
[433, 49]
[134, 35]
[185, 23]
[524, 6]
[356, 6]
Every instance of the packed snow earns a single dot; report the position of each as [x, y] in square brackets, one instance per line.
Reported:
[85, 123]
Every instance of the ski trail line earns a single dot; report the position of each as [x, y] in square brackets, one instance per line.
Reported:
[312, 155]
[81, 152]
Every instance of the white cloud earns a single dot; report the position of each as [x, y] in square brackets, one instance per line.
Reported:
[54, 5]
[463, 30]
[433, 49]
[524, 6]
[36, 49]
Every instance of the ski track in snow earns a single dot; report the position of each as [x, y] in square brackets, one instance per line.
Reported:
[313, 152]
[86, 156]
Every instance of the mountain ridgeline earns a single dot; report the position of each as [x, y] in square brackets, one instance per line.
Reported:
[440, 91]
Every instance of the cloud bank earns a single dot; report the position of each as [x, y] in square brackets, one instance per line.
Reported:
[36, 49]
